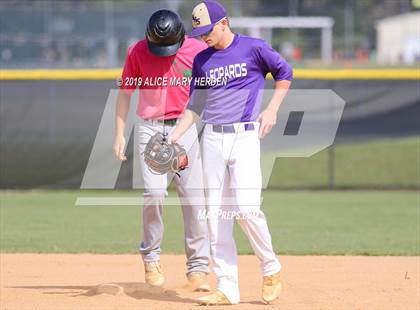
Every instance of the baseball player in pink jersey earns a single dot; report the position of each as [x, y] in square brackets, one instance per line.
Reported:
[231, 73]
[158, 66]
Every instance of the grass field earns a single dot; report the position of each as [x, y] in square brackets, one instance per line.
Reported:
[392, 163]
[301, 222]
[387, 163]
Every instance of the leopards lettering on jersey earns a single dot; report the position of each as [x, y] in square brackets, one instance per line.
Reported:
[232, 79]
[231, 71]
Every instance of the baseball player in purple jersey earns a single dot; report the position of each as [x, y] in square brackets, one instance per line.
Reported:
[228, 78]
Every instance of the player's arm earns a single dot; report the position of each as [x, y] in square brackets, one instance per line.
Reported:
[268, 118]
[270, 61]
[188, 119]
[194, 107]
[123, 104]
[122, 108]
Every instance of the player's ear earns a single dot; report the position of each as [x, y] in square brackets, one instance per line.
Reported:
[224, 23]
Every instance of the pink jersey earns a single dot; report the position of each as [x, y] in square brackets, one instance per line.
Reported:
[164, 82]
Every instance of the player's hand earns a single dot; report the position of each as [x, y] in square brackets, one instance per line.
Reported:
[267, 120]
[119, 145]
[173, 138]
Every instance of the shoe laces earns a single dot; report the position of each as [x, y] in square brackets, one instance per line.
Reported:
[269, 280]
[195, 275]
[153, 266]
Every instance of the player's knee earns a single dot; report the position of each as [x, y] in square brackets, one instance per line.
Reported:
[249, 214]
[156, 193]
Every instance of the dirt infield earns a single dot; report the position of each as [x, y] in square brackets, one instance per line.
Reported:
[85, 281]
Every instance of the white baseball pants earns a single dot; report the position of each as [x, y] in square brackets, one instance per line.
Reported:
[233, 181]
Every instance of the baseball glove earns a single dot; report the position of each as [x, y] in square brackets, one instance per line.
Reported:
[162, 157]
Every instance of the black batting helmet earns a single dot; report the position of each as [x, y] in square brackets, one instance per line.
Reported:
[165, 33]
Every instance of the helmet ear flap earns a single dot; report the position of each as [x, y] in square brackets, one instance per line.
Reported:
[182, 34]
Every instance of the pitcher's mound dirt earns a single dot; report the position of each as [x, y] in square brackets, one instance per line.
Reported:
[85, 281]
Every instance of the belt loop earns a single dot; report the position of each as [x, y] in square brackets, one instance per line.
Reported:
[217, 128]
[249, 127]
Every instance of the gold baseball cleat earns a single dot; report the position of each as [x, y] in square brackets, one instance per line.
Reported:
[271, 288]
[197, 282]
[153, 273]
[215, 299]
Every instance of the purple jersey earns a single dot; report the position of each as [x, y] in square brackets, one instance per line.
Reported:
[232, 79]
